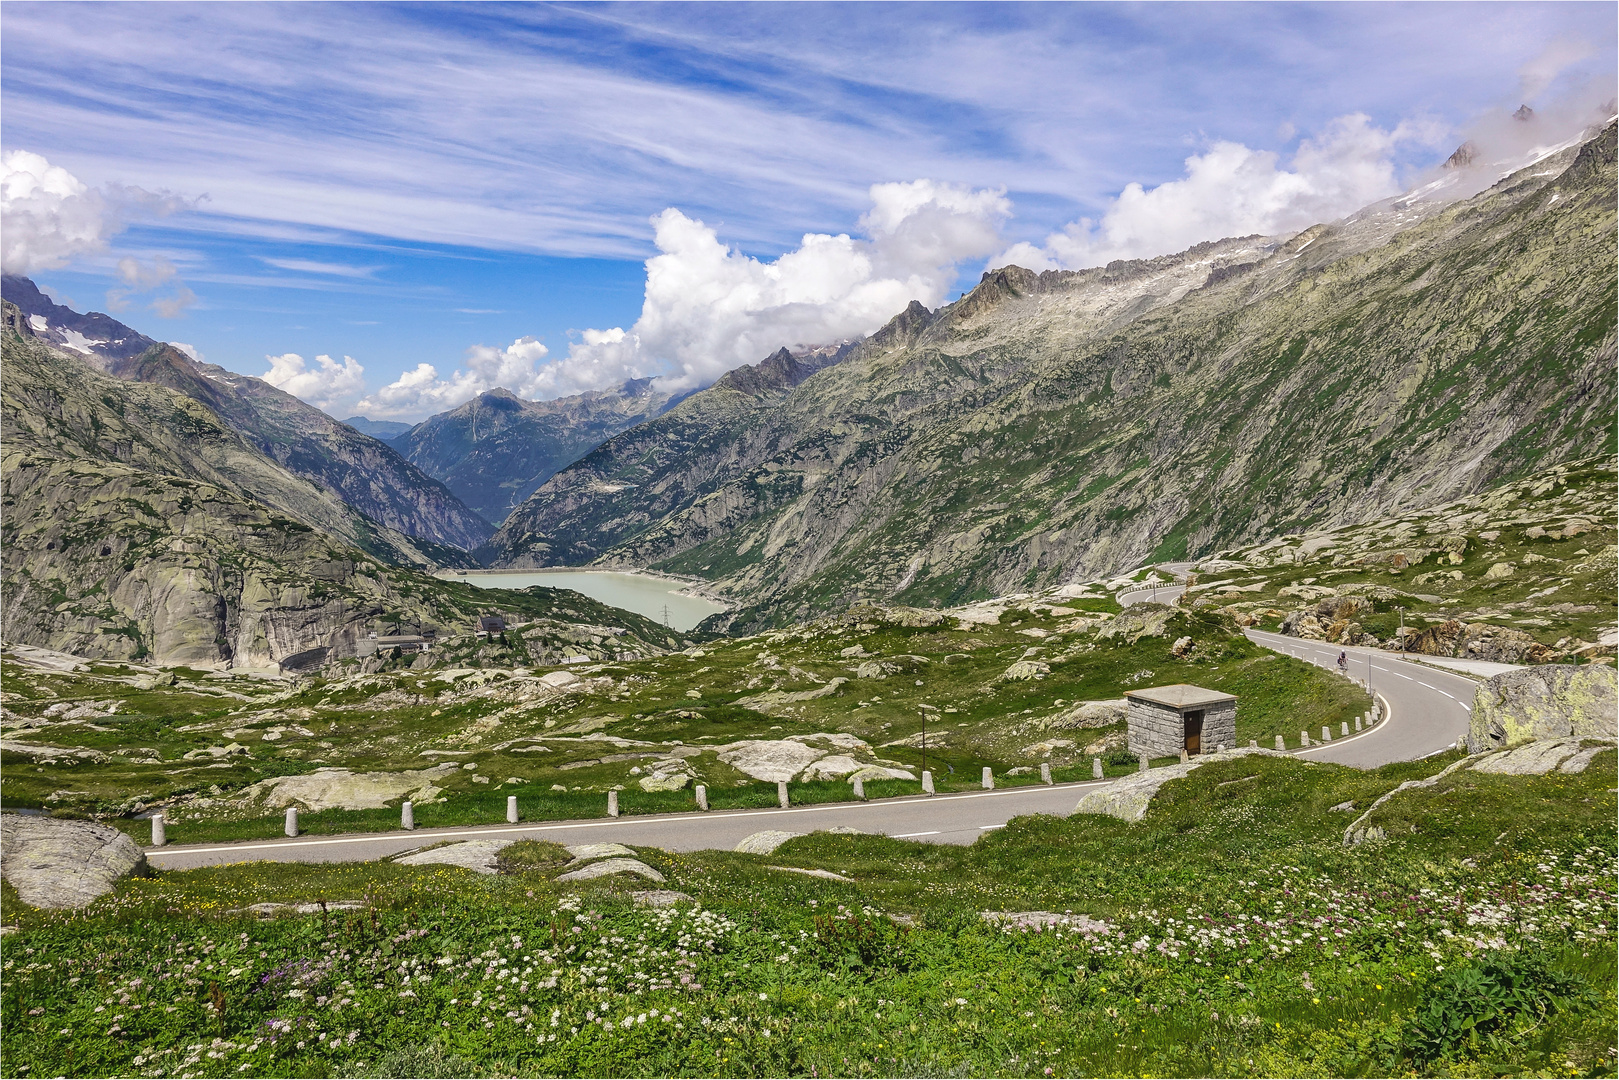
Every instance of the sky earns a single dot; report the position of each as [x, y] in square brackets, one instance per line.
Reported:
[388, 208]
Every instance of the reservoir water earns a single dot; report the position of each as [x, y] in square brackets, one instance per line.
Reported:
[644, 594]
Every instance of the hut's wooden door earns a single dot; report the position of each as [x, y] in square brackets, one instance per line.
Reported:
[1194, 731]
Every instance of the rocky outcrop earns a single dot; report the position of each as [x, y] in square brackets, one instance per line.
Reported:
[1542, 757]
[771, 760]
[1553, 701]
[343, 789]
[54, 863]
[1129, 798]
[764, 843]
[1568, 756]
[609, 867]
[479, 856]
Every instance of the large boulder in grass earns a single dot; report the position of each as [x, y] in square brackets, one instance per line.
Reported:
[55, 863]
[1129, 798]
[1552, 701]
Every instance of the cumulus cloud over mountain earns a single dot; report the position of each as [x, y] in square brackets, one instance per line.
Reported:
[420, 392]
[709, 308]
[1232, 190]
[323, 385]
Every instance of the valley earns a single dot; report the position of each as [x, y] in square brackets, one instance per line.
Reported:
[864, 710]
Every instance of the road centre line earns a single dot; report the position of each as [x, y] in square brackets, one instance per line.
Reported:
[907, 835]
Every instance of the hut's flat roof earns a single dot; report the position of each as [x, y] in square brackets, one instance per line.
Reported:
[1180, 696]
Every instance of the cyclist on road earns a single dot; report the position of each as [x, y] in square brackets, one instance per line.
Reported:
[1343, 661]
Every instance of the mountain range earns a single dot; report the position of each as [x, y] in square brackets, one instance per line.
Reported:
[363, 472]
[1067, 424]
[140, 525]
[495, 450]
[1044, 428]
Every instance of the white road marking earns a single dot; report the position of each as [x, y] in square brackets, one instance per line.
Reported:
[1002, 825]
[907, 835]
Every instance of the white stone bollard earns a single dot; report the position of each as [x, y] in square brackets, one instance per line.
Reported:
[511, 809]
[1304, 738]
[781, 793]
[1253, 744]
[1344, 728]
[989, 778]
[1281, 743]
[1096, 767]
[927, 782]
[1357, 723]
[702, 796]
[1185, 757]
[1326, 734]
[159, 831]
[1045, 772]
[1144, 765]
[859, 788]
[612, 804]
[292, 821]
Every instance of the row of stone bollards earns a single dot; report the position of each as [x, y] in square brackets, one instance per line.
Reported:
[407, 811]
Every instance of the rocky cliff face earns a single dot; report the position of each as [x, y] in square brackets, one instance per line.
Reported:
[496, 449]
[367, 474]
[1065, 425]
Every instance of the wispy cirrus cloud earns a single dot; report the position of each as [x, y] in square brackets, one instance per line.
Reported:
[314, 266]
[561, 129]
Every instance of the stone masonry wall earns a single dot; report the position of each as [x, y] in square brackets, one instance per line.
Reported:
[1159, 731]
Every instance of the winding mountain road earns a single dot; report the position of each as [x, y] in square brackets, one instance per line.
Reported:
[1427, 710]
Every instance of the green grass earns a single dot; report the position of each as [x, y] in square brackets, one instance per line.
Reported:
[947, 677]
[1243, 938]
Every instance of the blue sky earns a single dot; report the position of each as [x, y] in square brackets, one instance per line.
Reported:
[398, 184]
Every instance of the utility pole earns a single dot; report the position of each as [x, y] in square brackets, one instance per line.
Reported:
[666, 616]
[1402, 629]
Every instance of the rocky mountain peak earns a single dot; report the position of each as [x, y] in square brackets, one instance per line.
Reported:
[99, 338]
[1464, 156]
[905, 327]
[1524, 113]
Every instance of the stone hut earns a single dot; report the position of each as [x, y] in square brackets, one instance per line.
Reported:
[1164, 720]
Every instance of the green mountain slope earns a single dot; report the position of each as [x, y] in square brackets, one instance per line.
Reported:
[1066, 425]
[139, 525]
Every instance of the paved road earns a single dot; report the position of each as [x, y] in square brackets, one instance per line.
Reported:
[957, 818]
[1161, 594]
[1428, 710]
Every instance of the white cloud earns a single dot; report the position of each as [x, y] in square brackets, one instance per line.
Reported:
[172, 307]
[311, 266]
[139, 277]
[190, 350]
[326, 384]
[1232, 190]
[709, 308]
[49, 216]
[420, 392]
